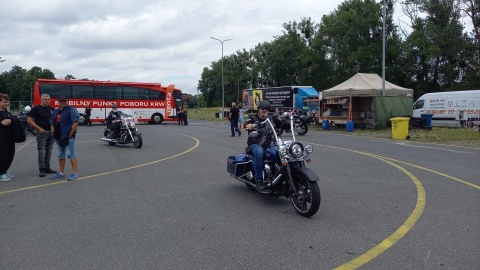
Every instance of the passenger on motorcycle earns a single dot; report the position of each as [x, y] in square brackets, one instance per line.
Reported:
[263, 140]
[114, 121]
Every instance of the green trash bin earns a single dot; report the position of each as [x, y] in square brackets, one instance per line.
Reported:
[399, 128]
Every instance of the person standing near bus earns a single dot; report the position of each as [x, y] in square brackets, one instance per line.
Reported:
[180, 116]
[39, 118]
[87, 114]
[184, 115]
[64, 123]
[7, 141]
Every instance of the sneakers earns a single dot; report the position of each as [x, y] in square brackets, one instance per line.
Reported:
[5, 178]
[11, 176]
[72, 176]
[48, 170]
[42, 173]
[57, 176]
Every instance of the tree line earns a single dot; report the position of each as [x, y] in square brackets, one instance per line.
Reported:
[433, 54]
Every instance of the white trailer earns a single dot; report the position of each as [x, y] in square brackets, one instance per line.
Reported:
[449, 109]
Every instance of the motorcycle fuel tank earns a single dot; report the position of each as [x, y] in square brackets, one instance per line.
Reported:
[272, 154]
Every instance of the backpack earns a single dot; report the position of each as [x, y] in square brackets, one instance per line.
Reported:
[18, 131]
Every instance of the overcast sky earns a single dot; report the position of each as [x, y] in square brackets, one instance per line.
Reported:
[140, 40]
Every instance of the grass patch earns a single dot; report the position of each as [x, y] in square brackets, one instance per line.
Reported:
[451, 136]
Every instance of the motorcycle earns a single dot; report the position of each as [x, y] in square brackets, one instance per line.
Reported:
[284, 171]
[300, 124]
[22, 117]
[128, 132]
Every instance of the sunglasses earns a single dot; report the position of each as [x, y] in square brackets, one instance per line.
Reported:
[265, 108]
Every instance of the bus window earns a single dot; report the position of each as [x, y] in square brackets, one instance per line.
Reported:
[155, 95]
[55, 90]
[108, 92]
[419, 104]
[135, 93]
[82, 91]
[178, 102]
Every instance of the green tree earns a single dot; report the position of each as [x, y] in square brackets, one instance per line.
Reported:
[439, 54]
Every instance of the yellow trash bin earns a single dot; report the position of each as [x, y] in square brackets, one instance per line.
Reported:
[399, 128]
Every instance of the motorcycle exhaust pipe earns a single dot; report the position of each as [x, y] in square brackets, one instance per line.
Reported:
[107, 140]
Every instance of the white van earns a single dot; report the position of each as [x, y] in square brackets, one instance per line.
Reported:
[449, 109]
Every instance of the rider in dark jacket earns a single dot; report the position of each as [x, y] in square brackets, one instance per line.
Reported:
[263, 140]
[113, 119]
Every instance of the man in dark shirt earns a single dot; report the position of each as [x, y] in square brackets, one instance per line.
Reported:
[233, 117]
[39, 118]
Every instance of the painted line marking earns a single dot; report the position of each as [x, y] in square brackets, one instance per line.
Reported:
[411, 220]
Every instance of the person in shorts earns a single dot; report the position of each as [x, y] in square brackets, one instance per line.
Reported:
[64, 123]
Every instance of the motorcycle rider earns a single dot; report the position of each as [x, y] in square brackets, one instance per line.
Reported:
[113, 119]
[265, 137]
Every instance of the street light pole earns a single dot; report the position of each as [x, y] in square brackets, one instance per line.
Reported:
[223, 87]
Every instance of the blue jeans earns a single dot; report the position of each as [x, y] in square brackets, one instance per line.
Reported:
[71, 149]
[234, 126]
[257, 151]
[44, 146]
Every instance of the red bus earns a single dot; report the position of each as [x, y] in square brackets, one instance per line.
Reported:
[151, 102]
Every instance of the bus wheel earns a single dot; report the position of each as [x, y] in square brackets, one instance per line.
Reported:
[156, 119]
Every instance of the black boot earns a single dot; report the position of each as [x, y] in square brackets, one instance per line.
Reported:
[48, 170]
[261, 186]
[42, 172]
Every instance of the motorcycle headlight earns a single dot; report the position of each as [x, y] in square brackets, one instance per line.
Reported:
[308, 149]
[132, 124]
[296, 150]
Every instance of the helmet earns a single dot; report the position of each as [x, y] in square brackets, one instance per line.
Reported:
[114, 106]
[264, 104]
[28, 109]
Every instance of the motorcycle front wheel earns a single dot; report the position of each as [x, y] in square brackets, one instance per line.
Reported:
[307, 199]
[302, 129]
[137, 141]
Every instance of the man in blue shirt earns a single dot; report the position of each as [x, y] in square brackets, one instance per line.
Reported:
[64, 123]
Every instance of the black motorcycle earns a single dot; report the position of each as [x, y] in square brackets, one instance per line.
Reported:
[300, 125]
[22, 117]
[128, 132]
[284, 171]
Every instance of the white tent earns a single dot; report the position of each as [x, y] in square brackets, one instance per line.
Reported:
[365, 85]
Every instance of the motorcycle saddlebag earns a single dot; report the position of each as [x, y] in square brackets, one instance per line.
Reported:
[239, 164]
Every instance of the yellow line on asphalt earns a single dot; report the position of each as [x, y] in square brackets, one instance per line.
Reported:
[435, 172]
[401, 231]
[197, 143]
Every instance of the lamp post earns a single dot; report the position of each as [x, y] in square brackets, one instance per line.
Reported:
[223, 89]
[383, 50]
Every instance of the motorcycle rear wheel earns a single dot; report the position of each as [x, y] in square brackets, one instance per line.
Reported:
[307, 199]
[137, 141]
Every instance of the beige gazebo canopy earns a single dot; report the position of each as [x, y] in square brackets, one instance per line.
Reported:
[366, 85]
